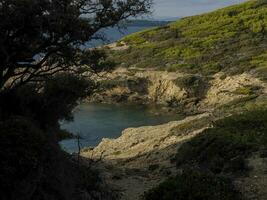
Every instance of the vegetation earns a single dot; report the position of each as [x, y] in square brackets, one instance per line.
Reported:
[42, 69]
[41, 81]
[247, 90]
[191, 185]
[232, 40]
[217, 153]
[135, 84]
[223, 149]
[196, 86]
[21, 144]
[28, 125]
[45, 37]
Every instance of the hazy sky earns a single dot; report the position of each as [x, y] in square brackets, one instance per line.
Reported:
[181, 8]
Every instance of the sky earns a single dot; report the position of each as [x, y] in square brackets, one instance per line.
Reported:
[182, 8]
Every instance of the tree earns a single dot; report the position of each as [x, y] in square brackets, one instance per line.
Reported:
[39, 38]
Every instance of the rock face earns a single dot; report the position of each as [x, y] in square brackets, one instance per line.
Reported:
[223, 91]
[136, 142]
[162, 88]
[141, 157]
[177, 90]
[139, 86]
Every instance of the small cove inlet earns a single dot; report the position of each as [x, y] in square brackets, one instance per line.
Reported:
[93, 122]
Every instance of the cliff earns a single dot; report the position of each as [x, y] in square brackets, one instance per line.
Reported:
[189, 93]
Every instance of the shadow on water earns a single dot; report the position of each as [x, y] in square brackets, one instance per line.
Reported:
[93, 122]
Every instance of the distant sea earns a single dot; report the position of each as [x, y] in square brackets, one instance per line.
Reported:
[114, 34]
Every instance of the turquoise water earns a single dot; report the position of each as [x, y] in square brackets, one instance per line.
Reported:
[96, 121]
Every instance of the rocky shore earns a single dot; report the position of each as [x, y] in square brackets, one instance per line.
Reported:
[142, 157]
[187, 93]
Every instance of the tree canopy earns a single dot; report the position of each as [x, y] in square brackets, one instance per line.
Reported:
[39, 38]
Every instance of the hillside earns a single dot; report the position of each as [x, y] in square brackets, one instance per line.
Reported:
[232, 40]
[212, 68]
[147, 23]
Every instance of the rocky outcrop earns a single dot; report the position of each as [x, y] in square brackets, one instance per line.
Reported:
[187, 92]
[224, 89]
[141, 157]
[135, 142]
[139, 86]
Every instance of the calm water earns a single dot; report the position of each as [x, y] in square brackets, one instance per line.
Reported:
[96, 121]
[114, 34]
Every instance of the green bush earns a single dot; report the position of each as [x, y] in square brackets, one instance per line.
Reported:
[228, 40]
[247, 90]
[195, 86]
[223, 149]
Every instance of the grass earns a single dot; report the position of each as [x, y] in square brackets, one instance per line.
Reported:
[232, 40]
[247, 90]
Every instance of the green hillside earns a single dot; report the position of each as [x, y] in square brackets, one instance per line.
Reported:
[233, 39]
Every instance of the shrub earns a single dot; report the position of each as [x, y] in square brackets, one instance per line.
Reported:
[224, 147]
[247, 90]
[228, 40]
[22, 147]
[194, 85]
[192, 185]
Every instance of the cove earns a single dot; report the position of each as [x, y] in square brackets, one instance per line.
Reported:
[93, 122]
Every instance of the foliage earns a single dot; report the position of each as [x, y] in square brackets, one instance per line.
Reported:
[22, 149]
[231, 40]
[195, 86]
[41, 67]
[39, 38]
[53, 101]
[222, 149]
[217, 152]
[247, 90]
[191, 185]
[32, 161]
[61, 94]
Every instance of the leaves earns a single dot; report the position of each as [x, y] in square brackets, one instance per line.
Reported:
[38, 34]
